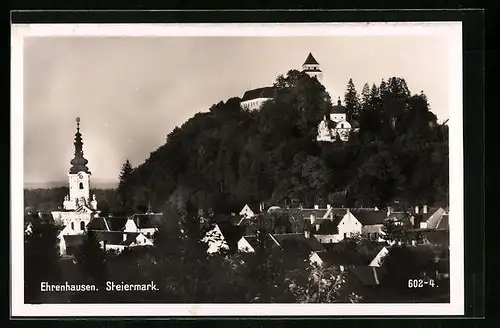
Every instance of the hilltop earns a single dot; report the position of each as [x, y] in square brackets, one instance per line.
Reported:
[229, 156]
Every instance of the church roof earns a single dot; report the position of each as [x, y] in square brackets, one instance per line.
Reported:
[311, 60]
[78, 163]
[338, 109]
[265, 92]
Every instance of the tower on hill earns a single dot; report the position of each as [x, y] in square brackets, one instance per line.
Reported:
[311, 68]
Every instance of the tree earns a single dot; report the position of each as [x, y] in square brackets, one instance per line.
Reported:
[125, 192]
[365, 97]
[352, 104]
[393, 231]
[41, 259]
[91, 258]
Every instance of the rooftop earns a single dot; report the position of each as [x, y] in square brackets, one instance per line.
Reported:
[265, 92]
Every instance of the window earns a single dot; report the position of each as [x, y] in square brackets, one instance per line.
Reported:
[345, 235]
[72, 226]
[81, 185]
[82, 225]
[342, 125]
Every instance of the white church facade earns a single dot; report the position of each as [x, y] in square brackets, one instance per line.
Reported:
[78, 208]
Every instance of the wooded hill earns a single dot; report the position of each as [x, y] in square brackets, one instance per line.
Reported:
[226, 157]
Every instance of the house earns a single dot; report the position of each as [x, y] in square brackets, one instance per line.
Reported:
[118, 241]
[368, 276]
[428, 218]
[223, 236]
[298, 243]
[335, 255]
[254, 99]
[107, 223]
[372, 222]
[331, 225]
[146, 223]
[249, 244]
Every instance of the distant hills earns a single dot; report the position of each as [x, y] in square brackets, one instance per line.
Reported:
[57, 184]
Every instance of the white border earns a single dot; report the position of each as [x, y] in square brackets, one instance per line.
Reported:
[452, 30]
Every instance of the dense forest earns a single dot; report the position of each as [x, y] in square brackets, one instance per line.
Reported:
[226, 157]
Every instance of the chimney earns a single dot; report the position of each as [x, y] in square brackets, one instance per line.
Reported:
[328, 206]
[317, 227]
[124, 236]
[307, 234]
[416, 209]
[389, 210]
[316, 207]
[424, 210]
[348, 210]
[312, 218]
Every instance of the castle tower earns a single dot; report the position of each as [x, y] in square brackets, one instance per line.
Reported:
[311, 67]
[79, 176]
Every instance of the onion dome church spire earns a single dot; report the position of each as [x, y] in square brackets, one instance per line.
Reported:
[78, 163]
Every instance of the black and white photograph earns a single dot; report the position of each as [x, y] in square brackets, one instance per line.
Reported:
[237, 169]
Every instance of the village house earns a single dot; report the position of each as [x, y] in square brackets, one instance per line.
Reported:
[296, 242]
[254, 99]
[146, 223]
[331, 225]
[250, 244]
[372, 222]
[365, 267]
[428, 217]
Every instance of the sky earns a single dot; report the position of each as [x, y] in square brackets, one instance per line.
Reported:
[130, 92]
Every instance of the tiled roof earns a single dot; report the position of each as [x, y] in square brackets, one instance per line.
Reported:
[73, 240]
[97, 223]
[443, 224]
[290, 240]
[252, 240]
[130, 238]
[369, 217]
[366, 274]
[110, 237]
[231, 233]
[329, 227]
[310, 60]
[430, 212]
[265, 92]
[342, 258]
[145, 221]
[338, 109]
[317, 213]
[116, 223]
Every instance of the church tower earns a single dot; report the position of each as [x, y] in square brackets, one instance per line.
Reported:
[311, 67]
[79, 176]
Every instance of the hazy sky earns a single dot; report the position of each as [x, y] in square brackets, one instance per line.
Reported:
[131, 92]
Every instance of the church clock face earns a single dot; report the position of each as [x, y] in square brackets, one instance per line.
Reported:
[80, 176]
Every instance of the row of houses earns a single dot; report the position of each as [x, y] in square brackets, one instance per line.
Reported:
[332, 225]
[112, 233]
